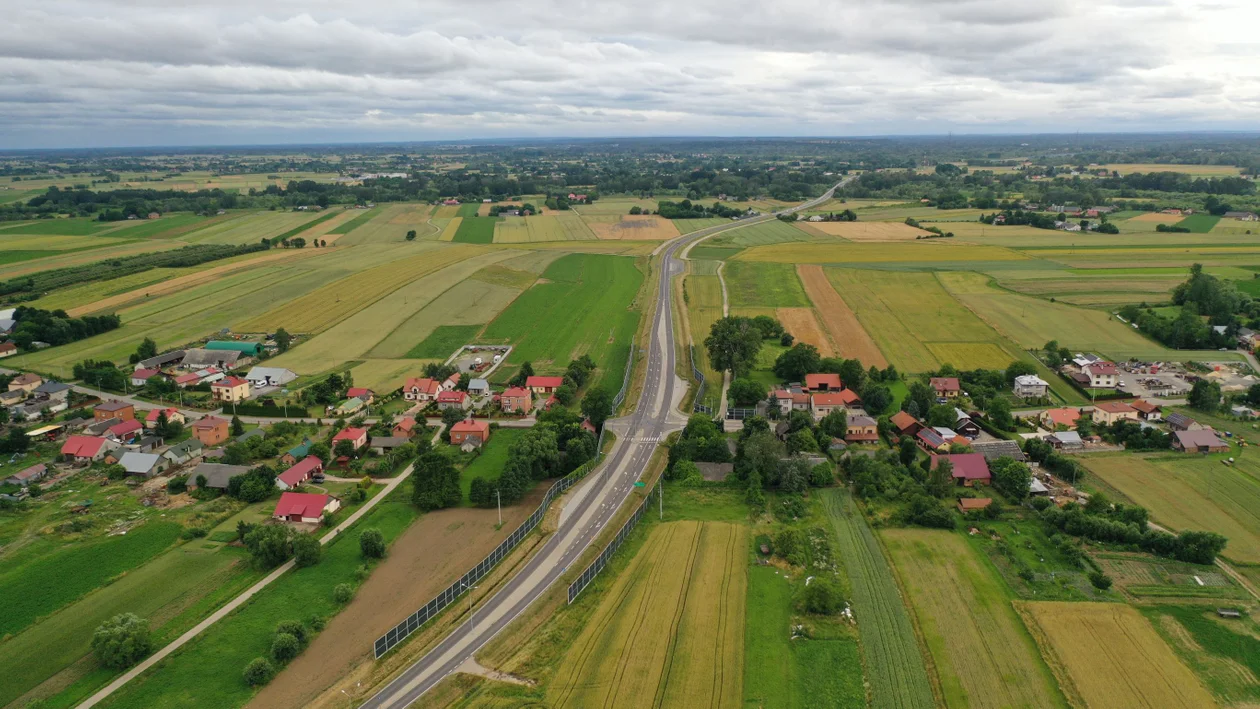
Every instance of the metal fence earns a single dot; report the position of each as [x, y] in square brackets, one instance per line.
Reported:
[590, 572]
[625, 379]
[740, 414]
[699, 405]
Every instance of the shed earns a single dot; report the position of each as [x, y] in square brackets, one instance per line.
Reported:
[253, 349]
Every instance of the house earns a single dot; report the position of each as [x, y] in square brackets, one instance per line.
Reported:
[1203, 440]
[423, 390]
[350, 407]
[516, 400]
[1065, 440]
[140, 377]
[992, 450]
[296, 453]
[7, 349]
[358, 437]
[964, 425]
[299, 473]
[25, 382]
[405, 427]
[970, 469]
[905, 424]
[973, 504]
[99, 428]
[11, 398]
[1030, 386]
[543, 385]
[114, 410]
[217, 475]
[1109, 412]
[1181, 422]
[305, 507]
[363, 394]
[263, 377]
[1102, 375]
[34, 408]
[945, 387]
[84, 450]
[478, 387]
[1053, 419]
[146, 444]
[230, 390]
[203, 358]
[1242, 216]
[168, 359]
[454, 400]
[143, 464]
[125, 431]
[450, 202]
[861, 429]
[822, 404]
[211, 430]
[181, 453]
[384, 444]
[24, 478]
[788, 401]
[1147, 411]
[470, 431]
[172, 415]
[184, 381]
[451, 383]
[51, 392]
[823, 382]
[930, 441]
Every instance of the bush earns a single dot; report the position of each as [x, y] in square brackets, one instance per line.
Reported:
[1101, 581]
[1040, 503]
[121, 641]
[259, 672]
[193, 533]
[822, 597]
[294, 628]
[342, 593]
[307, 551]
[284, 647]
[372, 543]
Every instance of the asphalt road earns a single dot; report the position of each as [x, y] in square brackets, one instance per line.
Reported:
[590, 509]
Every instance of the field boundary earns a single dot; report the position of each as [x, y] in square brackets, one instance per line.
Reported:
[592, 570]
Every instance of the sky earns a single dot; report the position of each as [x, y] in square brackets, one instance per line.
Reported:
[108, 74]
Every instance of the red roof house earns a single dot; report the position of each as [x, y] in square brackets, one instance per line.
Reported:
[140, 376]
[543, 385]
[421, 389]
[358, 437]
[304, 507]
[905, 424]
[126, 430]
[361, 393]
[516, 400]
[969, 468]
[946, 387]
[151, 416]
[86, 449]
[404, 427]
[473, 431]
[823, 382]
[454, 400]
[299, 472]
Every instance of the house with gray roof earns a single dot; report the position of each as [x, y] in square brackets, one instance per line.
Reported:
[217, 474]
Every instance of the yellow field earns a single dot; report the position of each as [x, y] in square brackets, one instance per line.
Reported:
[933, 250]
[448, 231]
[670, 630]
[1156, 218]
[1108, 655]
[386, 374]
[981, 355]
[803, 324]
[983, 655]
[635, 228]
[468, 302]
[445, 212]
[851, 340]
[868, 231]
[1202, 170]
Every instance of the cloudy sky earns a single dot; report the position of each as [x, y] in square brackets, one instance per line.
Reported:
[142, 72]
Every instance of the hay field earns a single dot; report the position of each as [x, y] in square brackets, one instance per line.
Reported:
[926, 251]
[868, 231]
[1108, 655]
[1156, 218]
[1186, 256]
[447, 211]
[450, 228]
[704, 307]
[390, 224]
[635, 228]
[469, 302]
[983, 355]
[1190, 492]
[250, 228]
[761, 234]
[984, 656]
[557, 226]
[804, 326]
[613, 206]
[918, 211]
[1197, 170]
[48, 260]
[908, 313]
[851, 339]
[763, 285]
[670, 630]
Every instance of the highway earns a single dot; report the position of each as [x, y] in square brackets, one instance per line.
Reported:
[594, 504]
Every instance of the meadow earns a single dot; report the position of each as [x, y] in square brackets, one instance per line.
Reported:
[761, 234]
[764, 285]
[443, 341]
[984, 656]
[704, 307]
[1108, 655]
[896, 672]
[490, 460]
[1226, 659]
[686, 226]
[669, 630]
[252, 227]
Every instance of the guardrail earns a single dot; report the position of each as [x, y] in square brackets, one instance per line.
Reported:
[591, 571]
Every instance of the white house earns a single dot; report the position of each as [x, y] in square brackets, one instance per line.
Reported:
[260, 377]
[1030, 385]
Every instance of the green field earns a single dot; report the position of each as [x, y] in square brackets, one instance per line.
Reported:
[1199, 223]
[468, 209]
[764, 285]
[896, 672]
[584, 308]
[250, 228]
[18, 255]
[760, 234]
[443, 341]
[490, 461]
[704, 307]
[713, 253]
[474, 229]
[67, 227]
[1225, 657]
[357, 222]
[686, 226]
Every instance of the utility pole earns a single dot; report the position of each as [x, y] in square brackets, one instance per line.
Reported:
[498, 501]
[660, 498]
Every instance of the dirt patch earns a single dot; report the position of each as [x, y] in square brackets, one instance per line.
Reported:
[437, 549]
[804, 326]
[635, 227]
[870, 231]
[838, 318]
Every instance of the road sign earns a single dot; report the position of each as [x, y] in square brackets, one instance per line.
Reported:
[640, 484]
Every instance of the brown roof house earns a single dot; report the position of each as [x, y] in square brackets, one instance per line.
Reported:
[1204, 440]
[211, 430]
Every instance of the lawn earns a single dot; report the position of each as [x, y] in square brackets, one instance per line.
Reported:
[585, 307]
[897, 674]
[765, 285]
[475, 230]
[1108, 655]
[490, 462]
[983, 655]
[443, 341]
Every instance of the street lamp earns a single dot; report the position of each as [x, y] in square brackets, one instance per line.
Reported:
[470, 597]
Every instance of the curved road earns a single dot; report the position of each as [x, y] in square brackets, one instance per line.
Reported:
[591, 508]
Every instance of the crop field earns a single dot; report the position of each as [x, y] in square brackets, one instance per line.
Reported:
[250, 228]
[928, 251]
[804, 326]
[761, 234]
[614, 206]
[448, 211]
[449, 227]
[476, 230]
[1199, 223]
[1192, 492]
[364, 216]
[897, 675]
[1156, 218]
[900, 212]
[42, 259]
[670, 630]
[851, 339]
[635, 228]
[1134, 289]
[443, 341]
[467, 303]
[764, 285]
[868, 231]
[1226, 659]
[686, 226]
[1197, 170]
[583, 308]
[1152, 257]
[1108, 655]
[984, 656]
[64, 227]
[558, 226]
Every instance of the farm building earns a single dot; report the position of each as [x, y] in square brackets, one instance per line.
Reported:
[474, 432]
[930, 440]
[25, 477]
[1109, 412]
[299, 473]
[454, 400]
[114, 410]
[1065, 440]
[1203, 440]
[140, 377]
[181, 453]
[84, 450]
[478, 387]
[1029, 386]
[143, 464]
[823, 382]
[1181, 422]
[361, 393]
[544, 385]
[296, 453]
[7, 349]
[168, 359]
[964, 425]
[51, 392]
[970, 469]
[992, 450]
[230, 390]
[861, 429]
[1242, 216]
[384, 444]
[424, 390]
[204, 359]
[905, 424]
[973, 504]
[516, 400]
[125, 430]
[304, 507]
[358, 437]
[261, 377]
[251, 349]
[350, 406]
[211, 430]
[946, 387]
[217, 475]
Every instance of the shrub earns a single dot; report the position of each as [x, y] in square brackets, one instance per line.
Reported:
[822, 597]
[294, 628]
[121, 641]
[372, 543]
[193, 533]
[307, 551]
[284, 647]
[1101, 581]
[342, 593]
[259, 672]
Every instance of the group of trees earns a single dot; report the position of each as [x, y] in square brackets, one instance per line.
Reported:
[327, 391]
[55, 327]
[555, 446]
[686, 209]
[1102, 521]
[1205, 301]
[734, 341]
[914, 490]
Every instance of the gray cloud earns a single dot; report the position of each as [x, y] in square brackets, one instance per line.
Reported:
[99, 73]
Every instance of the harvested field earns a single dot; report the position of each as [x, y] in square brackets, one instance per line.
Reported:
[926, 251]
[1157, 218]
[648, 227]
[670, 630]
[984, 656]
[249, 228]
[484, 209]
[803, 324]
[614, 206]
[390, 224]
[1199, 170]
[869, 231]
[384, 374]
[1108, 655]
[850, 338]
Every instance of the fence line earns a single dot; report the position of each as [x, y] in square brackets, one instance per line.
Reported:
[698, 403]
[590, 572]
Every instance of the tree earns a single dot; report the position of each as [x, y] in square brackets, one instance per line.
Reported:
[283, 339]
[411, 235]
[1205, 395]
[876, 398]
[835, 423]
[147, 349]
[597, 406]
[307, 550]
[794, 364]
[238, 427]
[852, 374]
[747, 392]
[372, 543]
[822, 597]
[1000, 414]
[258, 672]
[284, 647]
[345, 448]
[121, 641]
[565, 394]
[907, 451]
[1011, 478]
[942, 415]
[733, 343]
[270, 544]
[1018, 368]
[802, 441]
[435, 482]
